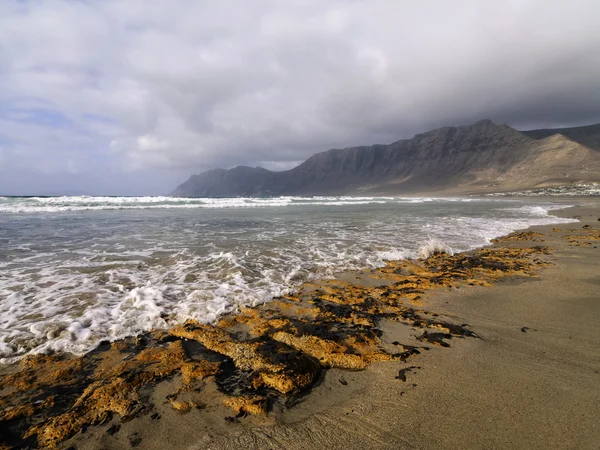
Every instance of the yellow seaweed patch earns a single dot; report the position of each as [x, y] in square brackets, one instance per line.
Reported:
[255, 404]
[94, 406]
[183, 406]
[24, 410]
[43, 370]
[520, 236]
[585, 237]
[109, 388]
[264, 357]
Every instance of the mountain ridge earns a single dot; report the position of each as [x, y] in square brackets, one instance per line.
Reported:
[482, 157]
[588, 135]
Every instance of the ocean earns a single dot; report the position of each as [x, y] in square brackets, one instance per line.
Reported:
[75, 271]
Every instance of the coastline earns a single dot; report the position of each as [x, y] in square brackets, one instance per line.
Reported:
[530, 381]
[440, 400]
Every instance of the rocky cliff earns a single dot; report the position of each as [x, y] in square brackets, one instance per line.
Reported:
[482, 157]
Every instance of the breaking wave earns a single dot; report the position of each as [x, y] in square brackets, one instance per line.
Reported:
[102, 203]
[434, 247]
[69, 281]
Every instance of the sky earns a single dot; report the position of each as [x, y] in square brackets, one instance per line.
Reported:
[132, 97]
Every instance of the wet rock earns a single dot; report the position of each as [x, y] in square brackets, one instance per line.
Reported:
[114, 429]
[402, 373]
[134, 439]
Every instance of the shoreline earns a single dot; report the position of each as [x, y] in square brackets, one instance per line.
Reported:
[424, 243]
[225, 433]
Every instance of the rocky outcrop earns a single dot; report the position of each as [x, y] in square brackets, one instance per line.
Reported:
[483, 157]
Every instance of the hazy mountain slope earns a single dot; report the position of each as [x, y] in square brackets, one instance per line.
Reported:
[588, 135]
[482, 157]
[239, 181]
[555, 160]
[433, 158]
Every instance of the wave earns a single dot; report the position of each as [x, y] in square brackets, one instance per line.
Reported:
[69, 290]
[104, 203]
[434, 247]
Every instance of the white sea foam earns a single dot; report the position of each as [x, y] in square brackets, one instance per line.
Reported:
[104, 203]
[71, 284]
[434, 247]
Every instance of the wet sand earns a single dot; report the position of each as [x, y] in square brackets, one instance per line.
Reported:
[528, 378]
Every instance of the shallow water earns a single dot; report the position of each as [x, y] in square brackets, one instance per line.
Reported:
[78, 270]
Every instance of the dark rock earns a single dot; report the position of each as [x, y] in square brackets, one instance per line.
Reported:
[402, 373]
[134, 439]
[114, 429]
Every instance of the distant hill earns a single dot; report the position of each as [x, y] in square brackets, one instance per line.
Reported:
[483, 157]
[588, 135]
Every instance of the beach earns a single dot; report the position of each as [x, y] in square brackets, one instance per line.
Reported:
[512, 361]
[515, 387]
[299, 225]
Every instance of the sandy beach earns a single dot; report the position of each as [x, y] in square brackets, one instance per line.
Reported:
[522, 369]
[531, 381]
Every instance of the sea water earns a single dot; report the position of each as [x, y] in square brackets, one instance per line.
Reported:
[78, 270]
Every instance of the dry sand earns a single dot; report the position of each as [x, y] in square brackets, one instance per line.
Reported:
[531, 379]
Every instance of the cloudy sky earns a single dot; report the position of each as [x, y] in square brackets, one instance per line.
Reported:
[131, 97]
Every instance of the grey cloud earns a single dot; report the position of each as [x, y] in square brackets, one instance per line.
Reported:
[179, 87]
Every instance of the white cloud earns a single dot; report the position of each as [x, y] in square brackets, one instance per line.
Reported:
[180, 86]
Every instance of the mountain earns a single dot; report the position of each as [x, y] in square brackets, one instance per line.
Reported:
[588, 135]
[483, 157]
